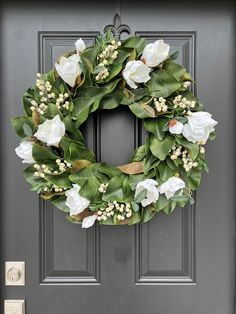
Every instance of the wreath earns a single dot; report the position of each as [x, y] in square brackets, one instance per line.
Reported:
[162, 173]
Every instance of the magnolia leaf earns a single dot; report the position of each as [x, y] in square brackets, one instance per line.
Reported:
[79, 164]
[81, 216]
[51, 195]
[35, 117]
[132, 168]
[27, 130]
[139, 153]
[155, 126]
[140, 196]
[135, 206]
[41, 154]
[162, 148]
[18, 125]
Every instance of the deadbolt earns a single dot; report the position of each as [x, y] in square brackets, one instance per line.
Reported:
[14, 274]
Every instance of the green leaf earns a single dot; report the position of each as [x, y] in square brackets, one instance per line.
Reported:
[90, 189]
[59, 202]
[117, 66]
[174, 55]
[41, 154]
[18, 124]
[30, 178]
[155, 126]
[162, 148]
[135, 206]
[72, 130]
[115, 190]
[27, 130]
[52, 110]
[136, 218]
[80, 152]
[135, 42]
[140, 196]
[161, 203]
[165, 172]
[139, 153]
[174, 68]
[148, 213]
[26, 100]
[162, 84]
[141, 110]
[192, 148]
[60, 180]
[194, 179]
[112, 100]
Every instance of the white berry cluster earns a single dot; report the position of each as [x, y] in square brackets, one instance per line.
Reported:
[106, 57]
[202, 148]
[41, 170]
[44, 89]
[63, 165]
[43, 86]
[182, 103]
[53, 188]
[103, 187]
[40, 108]
[62, 101]
[123, 210]
[160, 104]
[180, 151]
[106, 212]
[186, 84]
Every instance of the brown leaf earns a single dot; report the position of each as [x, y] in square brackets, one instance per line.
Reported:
[132, 168]
[36, 117]
[78, 80]
[79, 164]
[172, 122]
[82, 215]
[48, 196]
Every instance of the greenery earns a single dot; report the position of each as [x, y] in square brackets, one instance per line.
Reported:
[151, 160]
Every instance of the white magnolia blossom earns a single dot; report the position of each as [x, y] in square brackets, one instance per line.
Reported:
[80, 45]
[89, 221]
[175, 127]
[155, 53]
[24, 151]
[199, 126]
[76, 203]
[152, 191]
[136, 72]
[172, 185]
[51, 131]
[69, 69]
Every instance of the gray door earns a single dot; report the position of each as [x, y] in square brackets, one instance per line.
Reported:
[178, 264]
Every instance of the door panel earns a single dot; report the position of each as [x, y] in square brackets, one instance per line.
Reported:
[178, 264]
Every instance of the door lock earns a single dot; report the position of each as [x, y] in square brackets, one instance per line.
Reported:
[15, 273]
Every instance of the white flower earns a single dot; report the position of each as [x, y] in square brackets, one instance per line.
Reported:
[76, 203]
[152, 191]
[155, 53]
[89, 221]
[24, 151]
[175, 127]
[69, 69]
[172, 185]
[80, 45]
[51, 131]
[136, 72]
[199, 126]
[75, 57]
